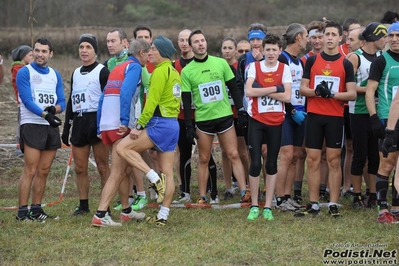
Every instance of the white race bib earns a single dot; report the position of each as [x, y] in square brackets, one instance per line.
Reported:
[79, 100]
[296, 97]
[211, 91]
[267, 104]
[333, 82]
[44, 98]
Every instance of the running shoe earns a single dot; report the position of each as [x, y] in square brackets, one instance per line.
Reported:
[333, 211]
[372, 203]
[395, 215]
[247, 196]
[386, 218]
[105, 221]
[228, 195]
[253, 213]
[160, 187]
[267, 214]
[298, 199]
[139, 203]
[307, 211]
[156, 221]
[79, 212]
[358, 203]
[294, 203]
[201, 200]
[131, 216]
[184, 198]
[285, 206]
[214, 200]
[25, 218]
[41, 216]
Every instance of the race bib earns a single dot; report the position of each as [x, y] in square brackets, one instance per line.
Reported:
[211, 91]
[79, 100]
[296, 97]
[267, 104]
[333, 82]
[44, 98]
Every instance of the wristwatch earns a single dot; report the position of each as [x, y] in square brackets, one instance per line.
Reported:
[139, 127]
[293, 111]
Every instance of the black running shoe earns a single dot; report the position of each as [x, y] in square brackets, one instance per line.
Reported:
[333, 211]
[79, 212]
[25, 218]
[42, 216]
[309, 211]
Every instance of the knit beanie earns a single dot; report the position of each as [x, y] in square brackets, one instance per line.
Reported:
[164, 46]
[90, 39]
[20, 52]
[374, 31]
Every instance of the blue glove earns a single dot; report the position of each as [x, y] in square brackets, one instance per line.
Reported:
[299, 117]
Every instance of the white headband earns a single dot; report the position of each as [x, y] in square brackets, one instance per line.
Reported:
[315, 32]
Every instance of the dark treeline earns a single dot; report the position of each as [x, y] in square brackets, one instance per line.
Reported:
[172, 16]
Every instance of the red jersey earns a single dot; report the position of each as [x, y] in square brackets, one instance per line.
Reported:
[150, 67]
[333, 72]
[306, 56]
[264, 109]
[343, 49]
[14, 70]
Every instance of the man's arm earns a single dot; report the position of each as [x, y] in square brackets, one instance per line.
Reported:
[370, 92]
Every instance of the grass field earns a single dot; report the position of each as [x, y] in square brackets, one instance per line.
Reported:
[191, 237]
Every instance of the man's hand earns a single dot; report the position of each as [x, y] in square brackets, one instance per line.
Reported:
[377, 126]
[51, 109]
[323, 90]
[389, 144]
[53, 120]
[299, 117]
[191, 135]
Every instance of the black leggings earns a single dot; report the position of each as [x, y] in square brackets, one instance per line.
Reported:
[259, 133]
[185, 148]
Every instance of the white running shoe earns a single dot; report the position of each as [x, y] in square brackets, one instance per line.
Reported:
[294, 203]
[285, 206]
[106, 221]
[132, 215]
[183, 199]
[215, 201]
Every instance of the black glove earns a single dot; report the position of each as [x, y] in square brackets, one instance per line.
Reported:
[65, 135]
[322, 90]
[53, 120]
[242, 118]
[388, 145]
[191, 135]
[51, 109]
[377, 127]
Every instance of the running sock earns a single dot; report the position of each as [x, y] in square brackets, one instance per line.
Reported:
[100, 214]
[163, 213]
[297, 186]
[286, 197]
[35, 208]
[23, 211]
[381, 184]
[127, 210]
[279, 200]
[372, 196]
[84, 204]
[322, 190]
[142, 194]
[152, 176]
[332, 203]
[315, 205]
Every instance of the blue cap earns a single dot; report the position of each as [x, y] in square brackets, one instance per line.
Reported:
[256, 34]
[394, 27]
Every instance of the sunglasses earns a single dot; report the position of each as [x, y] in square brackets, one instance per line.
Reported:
[242, 51]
